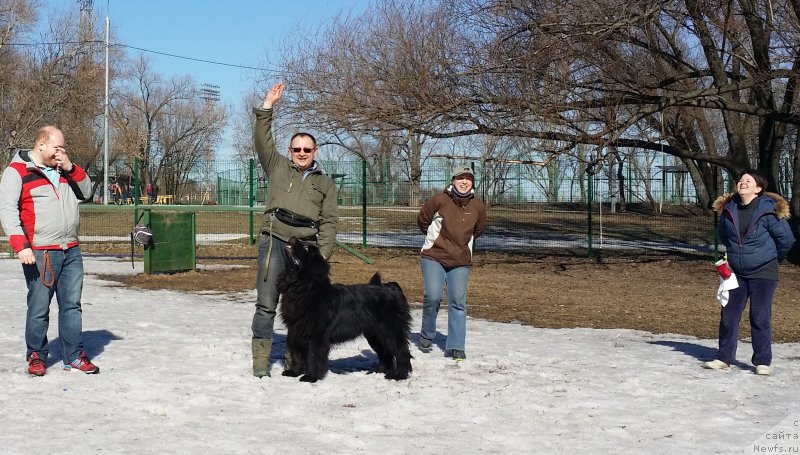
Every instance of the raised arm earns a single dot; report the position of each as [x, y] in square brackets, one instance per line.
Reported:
[273, 95]
[262, 133]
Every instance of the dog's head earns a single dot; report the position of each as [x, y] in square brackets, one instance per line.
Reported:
[305, 258]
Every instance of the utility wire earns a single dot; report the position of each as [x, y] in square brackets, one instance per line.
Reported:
[193, 58]
[211, 62]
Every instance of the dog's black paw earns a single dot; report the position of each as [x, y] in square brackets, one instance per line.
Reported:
[290, 373]
[308, 378]
[397, 375]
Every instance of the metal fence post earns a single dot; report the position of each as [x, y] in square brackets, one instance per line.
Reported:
[364, 202]
[252, 200]
[135, 189]
[713, 196]
[589, 191]
[628, 184]
[386, 181]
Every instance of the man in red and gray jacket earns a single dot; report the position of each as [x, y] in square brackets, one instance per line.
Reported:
[39, 195]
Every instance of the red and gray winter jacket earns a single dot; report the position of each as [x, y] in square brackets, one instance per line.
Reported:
[34, 213]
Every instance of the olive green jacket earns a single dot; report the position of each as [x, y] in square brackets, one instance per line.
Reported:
[314, 196]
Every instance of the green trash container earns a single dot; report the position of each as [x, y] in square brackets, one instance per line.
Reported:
[172, 248]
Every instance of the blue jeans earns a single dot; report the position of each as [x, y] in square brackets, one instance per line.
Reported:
[760, 292]
[267, 285]
[435, 275]
[66, 273]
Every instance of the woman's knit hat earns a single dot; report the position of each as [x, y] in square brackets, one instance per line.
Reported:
[463, 170]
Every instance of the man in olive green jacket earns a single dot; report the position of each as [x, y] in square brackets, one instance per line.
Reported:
[301, 202]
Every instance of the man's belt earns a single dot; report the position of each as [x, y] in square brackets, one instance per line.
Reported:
[291, 218]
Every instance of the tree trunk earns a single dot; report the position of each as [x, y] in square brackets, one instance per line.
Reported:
[794, 204]
[623, 203]
[703, 179]
[415, 170]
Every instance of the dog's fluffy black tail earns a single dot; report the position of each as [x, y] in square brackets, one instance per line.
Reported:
[376, 279]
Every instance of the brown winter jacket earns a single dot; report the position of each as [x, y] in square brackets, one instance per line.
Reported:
[451, 224]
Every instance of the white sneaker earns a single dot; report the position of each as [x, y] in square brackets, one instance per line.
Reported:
[716, 364]
[763, 370]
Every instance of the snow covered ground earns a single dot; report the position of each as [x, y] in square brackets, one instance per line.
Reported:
[175, 379]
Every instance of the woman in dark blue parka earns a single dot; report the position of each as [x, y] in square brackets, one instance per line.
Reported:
[753, 227]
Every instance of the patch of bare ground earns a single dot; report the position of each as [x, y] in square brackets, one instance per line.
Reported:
[655, 293]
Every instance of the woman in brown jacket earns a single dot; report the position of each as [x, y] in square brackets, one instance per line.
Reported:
[451, 221]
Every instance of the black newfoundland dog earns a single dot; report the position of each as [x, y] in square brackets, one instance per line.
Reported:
[319, 314]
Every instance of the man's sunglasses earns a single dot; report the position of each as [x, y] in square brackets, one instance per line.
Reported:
[303, 149]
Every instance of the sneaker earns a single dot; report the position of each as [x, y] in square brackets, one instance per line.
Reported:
[716, 364]
[36, 366]
[425, 344]
[459, 355]
[763, 370]
[82, 364]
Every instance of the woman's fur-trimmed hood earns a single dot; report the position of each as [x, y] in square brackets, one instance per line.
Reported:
[781, 205]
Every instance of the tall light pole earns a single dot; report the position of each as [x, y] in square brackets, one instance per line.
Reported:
[209, 92]
[105, 117]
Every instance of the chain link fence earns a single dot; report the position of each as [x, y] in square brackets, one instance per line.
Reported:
[531, 208]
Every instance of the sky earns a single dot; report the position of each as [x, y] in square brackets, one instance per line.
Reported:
[236, 33]
[175, 378]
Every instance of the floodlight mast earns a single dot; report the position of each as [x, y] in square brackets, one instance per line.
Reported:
[86, 32]
[209, 92]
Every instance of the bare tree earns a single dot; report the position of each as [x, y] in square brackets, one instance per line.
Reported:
[553, 69]
[497, 157]
[141, 105]
[242, 128]
[363, 60]
[55, 80]
[187, 137]
[16, 17]
[165, 125]
[81, 89]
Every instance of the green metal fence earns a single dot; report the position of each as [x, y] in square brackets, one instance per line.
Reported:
[531, 208]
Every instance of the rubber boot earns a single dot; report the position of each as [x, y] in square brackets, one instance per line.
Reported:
[261, 350]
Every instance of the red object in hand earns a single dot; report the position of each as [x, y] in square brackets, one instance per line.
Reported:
[723, 269]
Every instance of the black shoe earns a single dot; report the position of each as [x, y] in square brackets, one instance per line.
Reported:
[425, 344]
[458, 355]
